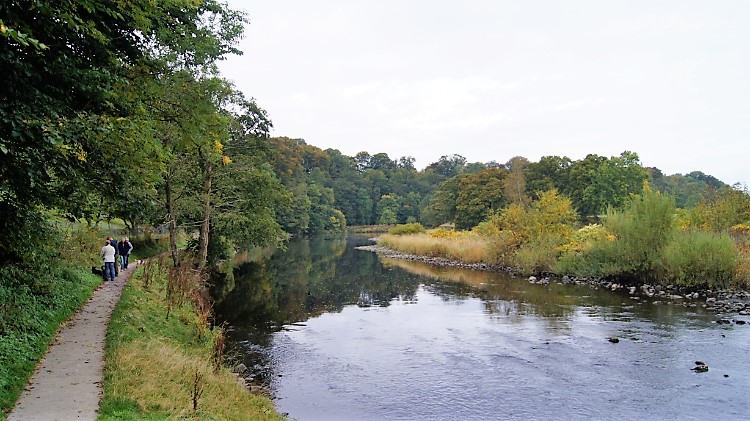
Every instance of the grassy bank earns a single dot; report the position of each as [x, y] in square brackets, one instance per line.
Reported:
[33, 305]
[163, 362]
[648, 241]
[35, 299]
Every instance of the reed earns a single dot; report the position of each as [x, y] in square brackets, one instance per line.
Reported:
[468, 248]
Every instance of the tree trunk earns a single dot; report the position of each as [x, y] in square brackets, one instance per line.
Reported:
[172, 223]
[205, 225]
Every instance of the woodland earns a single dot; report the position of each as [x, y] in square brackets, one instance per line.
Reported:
[116, 111]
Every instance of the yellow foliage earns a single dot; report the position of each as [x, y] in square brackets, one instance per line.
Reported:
[226, 160]
[582, 239]
[551, 215]
[740, 229]
[444, 233]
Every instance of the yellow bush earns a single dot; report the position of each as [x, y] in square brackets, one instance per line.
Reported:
[582, 239]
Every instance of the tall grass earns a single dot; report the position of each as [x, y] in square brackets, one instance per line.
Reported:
[698, 258]
[160, 367]
[460, 247]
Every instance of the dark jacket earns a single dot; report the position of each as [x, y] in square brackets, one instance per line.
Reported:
[114, 244]
[124, 248]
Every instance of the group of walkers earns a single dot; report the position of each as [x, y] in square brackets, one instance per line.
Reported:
[115, 252]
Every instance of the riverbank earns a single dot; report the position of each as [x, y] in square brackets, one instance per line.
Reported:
[164, 361]
[724, 301]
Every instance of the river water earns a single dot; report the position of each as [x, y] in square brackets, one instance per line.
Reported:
[340, 334]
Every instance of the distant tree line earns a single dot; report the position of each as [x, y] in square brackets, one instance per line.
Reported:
[330, 190]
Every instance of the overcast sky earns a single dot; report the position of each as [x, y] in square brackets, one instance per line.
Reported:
[490, 80]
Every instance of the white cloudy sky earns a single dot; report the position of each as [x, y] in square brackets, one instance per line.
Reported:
[490, 80]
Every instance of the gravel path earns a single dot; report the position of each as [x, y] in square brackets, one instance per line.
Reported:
[67, 384]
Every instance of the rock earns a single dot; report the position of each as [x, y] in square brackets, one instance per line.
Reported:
[723, 321]
[239, 369]
[675, 297]
[739, 322]
[259, 390]
[700, 363]
[710, 300]
[700, 368]
[632, 290]
[532, 279]
[566, 279]
[613, 340]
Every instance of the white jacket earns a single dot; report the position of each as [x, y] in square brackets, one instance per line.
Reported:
[108, 254]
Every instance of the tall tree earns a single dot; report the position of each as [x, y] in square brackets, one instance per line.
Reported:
[515, 182]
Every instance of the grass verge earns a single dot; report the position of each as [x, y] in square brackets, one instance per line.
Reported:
[164, 367]
[34, 302]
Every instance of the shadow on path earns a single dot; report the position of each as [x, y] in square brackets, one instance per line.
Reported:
[67, 384]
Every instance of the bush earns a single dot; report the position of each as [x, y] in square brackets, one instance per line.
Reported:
[502, 247]
[406, 229]
[147, 245]
[539, 255]
[81, 247]
[640, 231]
[697, 258]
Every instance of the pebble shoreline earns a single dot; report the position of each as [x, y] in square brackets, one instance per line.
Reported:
[724, 302]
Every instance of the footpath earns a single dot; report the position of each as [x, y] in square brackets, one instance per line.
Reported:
[67, 384]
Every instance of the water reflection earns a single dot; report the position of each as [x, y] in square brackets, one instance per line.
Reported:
[346, 328]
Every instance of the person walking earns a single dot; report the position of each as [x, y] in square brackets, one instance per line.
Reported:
[125, 247]
[114, 244]
[108, 254]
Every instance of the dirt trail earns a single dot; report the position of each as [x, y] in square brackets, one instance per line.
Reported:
[67, 384]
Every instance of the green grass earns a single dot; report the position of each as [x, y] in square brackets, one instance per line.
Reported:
[33, 305]
[152, 362]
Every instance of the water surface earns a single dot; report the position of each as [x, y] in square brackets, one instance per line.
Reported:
[336, 333]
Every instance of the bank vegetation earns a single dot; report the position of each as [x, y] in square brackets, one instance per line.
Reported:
[164, 357]
[648, 240]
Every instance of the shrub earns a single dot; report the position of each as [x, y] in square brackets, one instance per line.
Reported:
[147, 245]
[584, 238]
[81, 246]
[406, 229]
[697, 258]
[641, 231]
[539, 255]
[502, 247]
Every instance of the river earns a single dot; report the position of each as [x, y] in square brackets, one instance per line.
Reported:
[336, 333]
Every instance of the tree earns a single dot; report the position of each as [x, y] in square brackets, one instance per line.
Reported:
[64, 98]
[442, 205]
[551, 172]
[387, 209]
[478, 196]
[449, 165]
[597, 182]
[515, 182]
